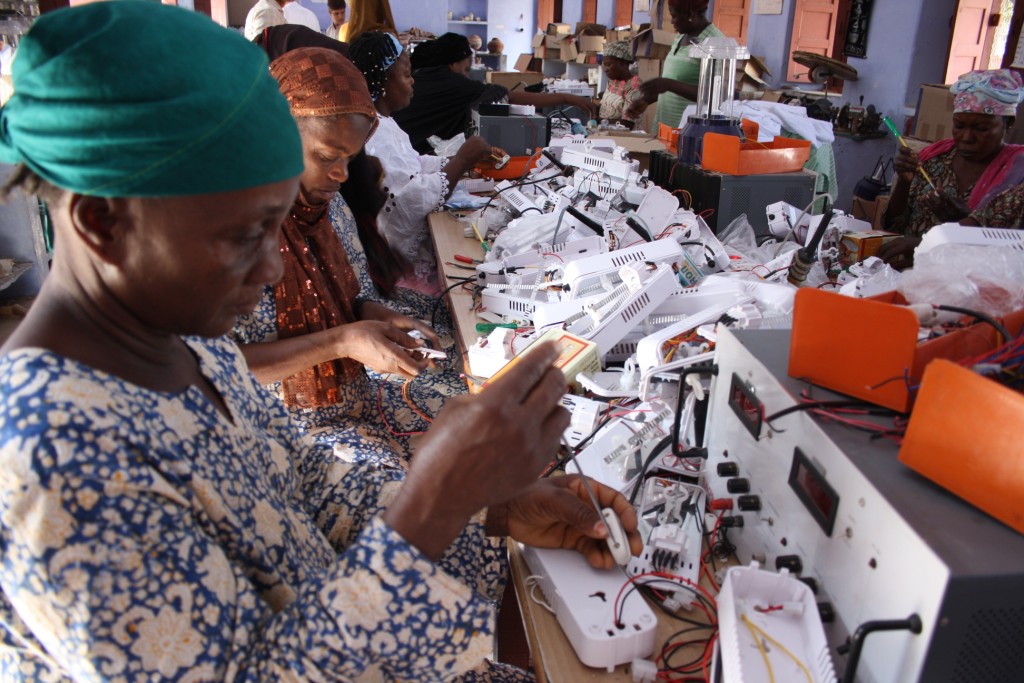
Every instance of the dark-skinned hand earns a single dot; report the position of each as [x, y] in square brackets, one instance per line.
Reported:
[945, 207]
[899, 252]
[482, 451]
[380, 346]
[558, 513]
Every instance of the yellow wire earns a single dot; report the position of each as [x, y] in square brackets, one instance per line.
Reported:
[760, 647]
[755, 628]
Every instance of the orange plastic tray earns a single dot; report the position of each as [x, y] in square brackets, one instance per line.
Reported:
[515, 168]
[868, 348]
[726, 154]
[668, 135]
[964, 435]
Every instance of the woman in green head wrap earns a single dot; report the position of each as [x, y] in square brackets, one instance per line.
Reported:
[161, 517]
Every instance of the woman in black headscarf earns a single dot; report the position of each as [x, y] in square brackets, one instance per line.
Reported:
[444, 95]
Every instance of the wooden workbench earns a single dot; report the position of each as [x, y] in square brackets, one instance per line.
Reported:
[553, 656]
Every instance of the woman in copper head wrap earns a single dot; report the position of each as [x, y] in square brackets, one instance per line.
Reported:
[314, 334]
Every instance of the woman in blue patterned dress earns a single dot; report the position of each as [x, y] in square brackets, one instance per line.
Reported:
[160, 517]
[315, 332]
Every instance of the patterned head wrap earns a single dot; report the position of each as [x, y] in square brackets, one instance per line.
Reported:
[374, 52]
[137, 99]
[996, 92]
[448, 49]
[620, 50]
[318, 82]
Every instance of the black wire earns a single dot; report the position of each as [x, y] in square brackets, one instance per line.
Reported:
[701, 369]
[649, 593]
[516, 186]
[559, 464]
[635, 586]
[870, 409]
[691, 667]
[655, 452]
[440, 298]
[983, 317]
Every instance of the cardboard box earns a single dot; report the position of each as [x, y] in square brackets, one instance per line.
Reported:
[871, 211]
[589, 29]
[577, 355]
[751, 74]
[613, 35]
[653, 43]
[854, 247]
[590, 44]
[561, 47]
[559, 29]
[934, 113]
[523, 63]
[512, 79]
[647, 69]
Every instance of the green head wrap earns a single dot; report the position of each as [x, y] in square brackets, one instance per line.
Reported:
[137, 99]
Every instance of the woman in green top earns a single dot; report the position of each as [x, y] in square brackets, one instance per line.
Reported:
[677, 86]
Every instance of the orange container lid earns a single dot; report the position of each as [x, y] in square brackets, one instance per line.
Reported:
[514, 169]
[726, 154]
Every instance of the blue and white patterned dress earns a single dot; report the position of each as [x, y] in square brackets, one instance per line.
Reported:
[373, 418]
[145, 536]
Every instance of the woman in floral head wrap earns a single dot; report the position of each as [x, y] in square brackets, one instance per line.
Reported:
[623, 85]
[970, 170]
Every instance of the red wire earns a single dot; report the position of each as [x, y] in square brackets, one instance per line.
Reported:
[380, 409]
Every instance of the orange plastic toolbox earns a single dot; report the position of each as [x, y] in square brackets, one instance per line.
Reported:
[964, 435]
[726, 154]
[868, 348]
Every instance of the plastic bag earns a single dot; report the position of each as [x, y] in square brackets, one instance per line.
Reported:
[740, 240]
[446, 148]
[984, 279]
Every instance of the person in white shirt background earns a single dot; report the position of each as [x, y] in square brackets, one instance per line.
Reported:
[337, 8]
[263, 14]
[294, 13]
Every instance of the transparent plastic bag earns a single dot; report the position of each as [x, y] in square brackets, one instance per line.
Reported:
[984, 279]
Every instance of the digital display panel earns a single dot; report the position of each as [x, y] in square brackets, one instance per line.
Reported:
[814, 491]
[748, 409]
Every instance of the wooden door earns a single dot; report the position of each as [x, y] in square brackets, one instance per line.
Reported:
[589, 11]
[548, 12]
[815, 29]
[967, 49]
[732, 17]
[623, 12]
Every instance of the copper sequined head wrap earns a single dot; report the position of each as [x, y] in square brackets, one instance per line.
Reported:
[319, 287]
[320, 82]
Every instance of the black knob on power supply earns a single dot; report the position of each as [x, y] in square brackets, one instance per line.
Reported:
[738, 485]
[749, 503]
[827, 612]
[728, 469]
[791, 562]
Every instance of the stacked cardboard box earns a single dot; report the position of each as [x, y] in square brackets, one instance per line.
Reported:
[934, 113]
[555, 44]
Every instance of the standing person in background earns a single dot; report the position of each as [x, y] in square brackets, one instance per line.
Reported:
[444, 95]
[297, 14]
[369, 15]
[337, 9]
[623, 85]
[677, 86]
[263, 14]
